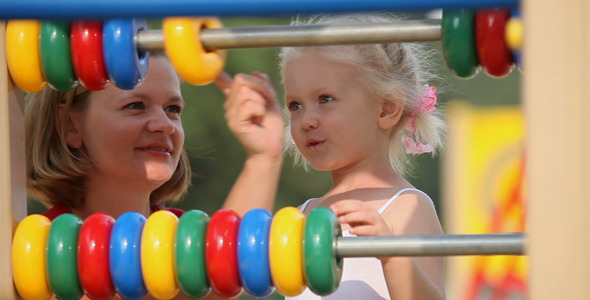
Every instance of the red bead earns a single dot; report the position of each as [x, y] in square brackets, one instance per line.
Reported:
[87, 56]
[93, 256]
[221, 253]
[492, 50]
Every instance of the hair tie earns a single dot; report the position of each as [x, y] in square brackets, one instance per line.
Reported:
[426, 104]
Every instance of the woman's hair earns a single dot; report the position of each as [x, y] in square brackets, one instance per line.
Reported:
[393, 71]
[56, 171]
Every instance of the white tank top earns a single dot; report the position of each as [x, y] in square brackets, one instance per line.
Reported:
[362, 277]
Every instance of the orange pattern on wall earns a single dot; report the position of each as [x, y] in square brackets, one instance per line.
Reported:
[485, 193]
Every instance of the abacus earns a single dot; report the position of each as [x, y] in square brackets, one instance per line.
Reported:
[556, 61]
[165, 254]
[96, 53]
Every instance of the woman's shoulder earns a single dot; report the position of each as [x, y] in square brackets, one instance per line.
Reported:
[56, 211]
[177, 211]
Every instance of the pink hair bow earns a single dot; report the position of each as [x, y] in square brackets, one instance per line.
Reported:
[425, 105]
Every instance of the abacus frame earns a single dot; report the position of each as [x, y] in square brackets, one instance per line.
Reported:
[556, 59]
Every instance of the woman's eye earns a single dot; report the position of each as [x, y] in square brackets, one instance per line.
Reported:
[293, 106]
[135, 105]
[326, 98]
[174, 109]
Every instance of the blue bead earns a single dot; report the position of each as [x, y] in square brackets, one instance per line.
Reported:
[124, 64]
[253, 261]
[125, 256]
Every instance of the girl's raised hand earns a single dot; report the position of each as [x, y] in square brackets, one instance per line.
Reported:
[253, 113]
[362, 219]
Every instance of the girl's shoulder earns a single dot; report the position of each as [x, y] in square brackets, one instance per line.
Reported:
[411, 211]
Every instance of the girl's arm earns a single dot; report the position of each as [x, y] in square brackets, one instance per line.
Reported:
[253, 114]
[411, 214]
[414, 214]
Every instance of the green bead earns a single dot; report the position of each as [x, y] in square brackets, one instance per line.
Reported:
[458, 36]
[62, 266]
[190, 254]
[323, 270]
[56, 58]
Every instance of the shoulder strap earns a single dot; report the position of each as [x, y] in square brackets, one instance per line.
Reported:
[386, 205]
[303, 206]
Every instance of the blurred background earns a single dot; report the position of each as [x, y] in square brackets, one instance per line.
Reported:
[217, 157]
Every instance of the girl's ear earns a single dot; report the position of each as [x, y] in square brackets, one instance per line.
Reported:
[73, 133]
[391, 112]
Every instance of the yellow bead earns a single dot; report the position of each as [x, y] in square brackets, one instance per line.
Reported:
[157, 255]
[285, 251]
[28, 258]
[514, 33]
[22, 55]
[186, 52]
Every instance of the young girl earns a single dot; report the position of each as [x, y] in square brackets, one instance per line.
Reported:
[358, 111]
[114, 151]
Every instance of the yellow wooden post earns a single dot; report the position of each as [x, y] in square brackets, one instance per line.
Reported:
[556, 91]
[12, 169]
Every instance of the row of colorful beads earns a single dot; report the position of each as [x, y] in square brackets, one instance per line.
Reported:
[164, 254]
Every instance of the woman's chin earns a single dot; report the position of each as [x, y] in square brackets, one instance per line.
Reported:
[159, 177]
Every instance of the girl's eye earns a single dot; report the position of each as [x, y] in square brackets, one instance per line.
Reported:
[174, 109]
[293, 106]
[135, 105]
[326, 98]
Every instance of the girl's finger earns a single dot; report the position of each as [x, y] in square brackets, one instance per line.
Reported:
[346, 206]
[359, 216]
[224, 82]
[258, 83]
[251, 112]
[364, 230]
[246, 93]
[260, 75]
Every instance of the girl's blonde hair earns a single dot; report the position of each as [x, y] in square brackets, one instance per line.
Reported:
[55, 171]
[393, 71]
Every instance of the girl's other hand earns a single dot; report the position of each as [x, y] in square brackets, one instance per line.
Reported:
[253, 113]
[362, 219]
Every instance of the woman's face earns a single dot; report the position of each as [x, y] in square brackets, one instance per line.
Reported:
[134, 136]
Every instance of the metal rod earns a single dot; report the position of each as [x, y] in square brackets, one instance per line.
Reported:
[75, 9]
[303, 35]
[430, 245]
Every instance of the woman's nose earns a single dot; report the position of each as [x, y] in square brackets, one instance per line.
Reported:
[160, 122]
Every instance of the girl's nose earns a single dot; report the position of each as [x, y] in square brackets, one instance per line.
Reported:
[310, 121]
[160, 122]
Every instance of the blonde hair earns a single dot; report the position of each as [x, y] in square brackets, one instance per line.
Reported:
[395, 71]
[56, 171]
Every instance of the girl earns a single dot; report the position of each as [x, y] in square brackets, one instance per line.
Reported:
[358, 111]
[353, 110]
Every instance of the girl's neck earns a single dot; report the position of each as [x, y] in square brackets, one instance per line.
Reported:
[357, 177]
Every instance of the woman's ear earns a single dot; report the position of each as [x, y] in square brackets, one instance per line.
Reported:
[391, 112]
[72, 130]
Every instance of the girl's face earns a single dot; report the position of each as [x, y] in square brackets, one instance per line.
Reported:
[334, 119]
[134, 135]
